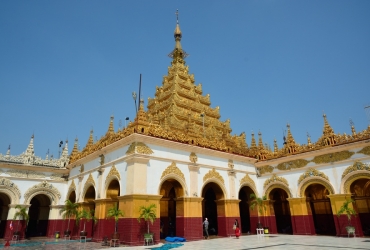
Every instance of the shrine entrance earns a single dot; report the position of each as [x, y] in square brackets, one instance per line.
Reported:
[321, 209]
[211, 194]
[361, 190]
[4, 209]
[244, 197]
[282, 211]
[38, 216]
[170, 190]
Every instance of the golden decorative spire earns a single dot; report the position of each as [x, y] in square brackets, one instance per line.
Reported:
[253, 142]
[178, 54]
[328, 137]
[276, 149]
[260, 143]
[111, 125]
[290, 146]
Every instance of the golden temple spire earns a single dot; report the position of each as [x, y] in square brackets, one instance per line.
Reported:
[328, 137]
[178, 54]
[276, 149]
[327, 128]
[111, 125]
[90, 142]
[260, 142]
[253, 142]
[291, 146]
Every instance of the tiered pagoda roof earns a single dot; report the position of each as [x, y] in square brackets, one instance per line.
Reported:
[181, 112]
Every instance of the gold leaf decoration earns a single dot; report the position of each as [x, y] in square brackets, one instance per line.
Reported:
[140, 148]
[90, 180]
[300, 163]
[266, 169]
[365, 150]
[72, 186]
[173, 169]
[312, 172]
[193, 157]
[247, 179]
[333, 157]
[355, 167]
[113, 172]
[275, 178]
[213, 174]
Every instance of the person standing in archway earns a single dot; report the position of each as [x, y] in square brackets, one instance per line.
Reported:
[206, 223]
[236, 228]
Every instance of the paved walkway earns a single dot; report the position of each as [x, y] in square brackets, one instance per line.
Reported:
[274, 242]
[268, 242]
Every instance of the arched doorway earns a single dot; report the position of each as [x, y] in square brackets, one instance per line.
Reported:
[113, 190]
[170, 190]
[38, 216]
[4, 209]
[211, 193]
[361, 194]
[72, 196]
[244, 197]
[321, 209]
[89, 204]
[282, 211]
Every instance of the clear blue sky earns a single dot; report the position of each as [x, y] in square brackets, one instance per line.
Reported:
[67, 66]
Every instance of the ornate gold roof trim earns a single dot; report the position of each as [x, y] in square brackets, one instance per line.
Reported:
[139, 147]
[213, 174]
[173, 169]
[300, 163]
[333, 157]
[355, 167]
[311, 172]
[274, 178]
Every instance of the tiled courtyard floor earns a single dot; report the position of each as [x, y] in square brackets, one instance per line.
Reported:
[270, 242]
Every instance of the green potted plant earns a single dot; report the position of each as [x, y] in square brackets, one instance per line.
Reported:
[115, 212]
[349, 212]
[258, 201]
[22, 215]
[87, 216]
[69, 210]
[147, 213]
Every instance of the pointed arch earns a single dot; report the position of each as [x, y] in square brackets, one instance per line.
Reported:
[312, 176]
[43, 188]
[11, 189]
[352, 177]
[71, 188]
[112, 175]
[276, 182]
[219, 183]
[314, 180]
[89, 182]
[247, 181]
